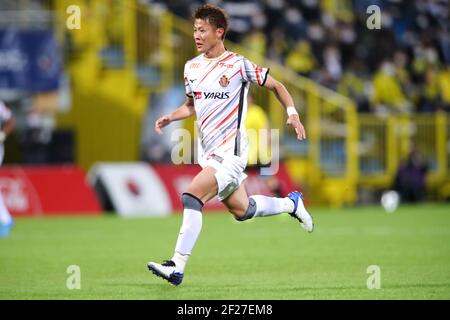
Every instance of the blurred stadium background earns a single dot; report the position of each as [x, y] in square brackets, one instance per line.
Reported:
[375, 104]
[367, 97]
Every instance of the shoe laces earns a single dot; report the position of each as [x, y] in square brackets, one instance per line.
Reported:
[168, 263]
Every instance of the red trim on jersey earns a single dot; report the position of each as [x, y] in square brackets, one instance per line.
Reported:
[235, 74]
[240, 71]
[228, 116]
[225, 140]
[226, 58]
[215, 66]
[217, 108]
[257, 70]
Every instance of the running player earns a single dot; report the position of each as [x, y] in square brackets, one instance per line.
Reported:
[217, 82]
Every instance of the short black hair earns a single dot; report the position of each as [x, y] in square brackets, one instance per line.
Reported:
[214, 15]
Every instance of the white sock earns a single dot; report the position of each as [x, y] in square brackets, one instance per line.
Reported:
[189, 231]
[180, 261]
[269, 206]
[5, 217]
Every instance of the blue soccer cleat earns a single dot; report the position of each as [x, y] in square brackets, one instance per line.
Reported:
[166, 270]
[5, 229]
[300, 213]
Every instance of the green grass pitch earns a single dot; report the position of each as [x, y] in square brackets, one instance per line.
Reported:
[266, 258]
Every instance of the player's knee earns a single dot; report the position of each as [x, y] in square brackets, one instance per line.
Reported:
[242, 215]
[238, 214]
[191, 202]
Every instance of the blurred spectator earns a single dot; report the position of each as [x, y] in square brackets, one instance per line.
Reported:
[332, 62]
[425, 57]
[435, 93]
[301, 59]
[279, 45]
[294, 24]
[354, 85]
[255, 41]
[400, 64]
[430, 92]
[410, 178]
[388, 95]
[244, 15]
[444, 88]
[273, 10]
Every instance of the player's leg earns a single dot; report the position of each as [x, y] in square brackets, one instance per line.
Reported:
[6, 222]
[238, 203]
[202, 188]
[244, 207]
[204, 185]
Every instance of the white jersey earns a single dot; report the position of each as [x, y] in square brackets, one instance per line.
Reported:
[219, 88]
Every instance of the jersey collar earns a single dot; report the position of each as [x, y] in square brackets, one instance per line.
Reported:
[218, 58]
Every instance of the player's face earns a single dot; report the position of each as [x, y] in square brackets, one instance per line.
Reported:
[206, 36]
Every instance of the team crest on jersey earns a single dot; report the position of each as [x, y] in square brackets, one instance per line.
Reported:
[224, 81]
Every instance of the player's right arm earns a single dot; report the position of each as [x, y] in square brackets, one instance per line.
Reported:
[184, 111]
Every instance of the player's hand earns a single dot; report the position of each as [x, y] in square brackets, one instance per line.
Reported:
[161, 123]
[294, 121]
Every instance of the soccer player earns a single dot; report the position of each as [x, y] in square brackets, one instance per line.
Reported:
[7, 123]
[217, 82]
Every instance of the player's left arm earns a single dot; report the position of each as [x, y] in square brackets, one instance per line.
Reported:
[286, 100]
